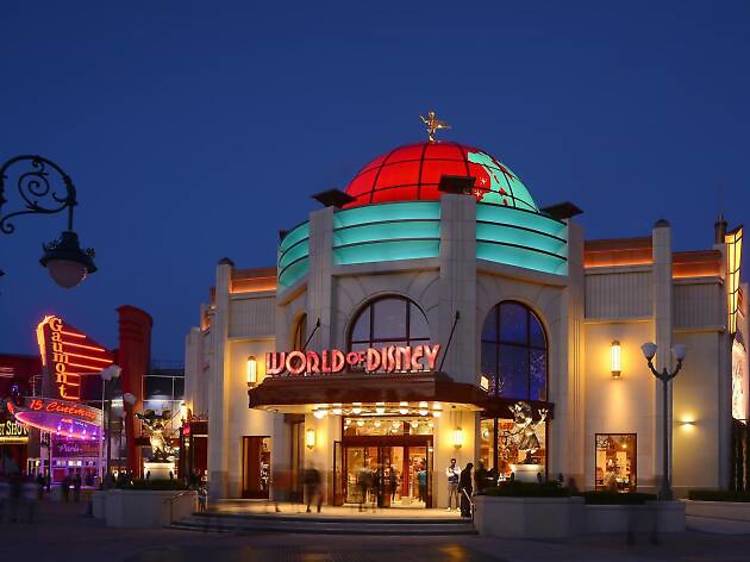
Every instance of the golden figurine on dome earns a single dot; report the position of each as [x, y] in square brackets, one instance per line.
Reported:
[433, 124]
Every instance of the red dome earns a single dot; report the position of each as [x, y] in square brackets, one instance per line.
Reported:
[413, 172]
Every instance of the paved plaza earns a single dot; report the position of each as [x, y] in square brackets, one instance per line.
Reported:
[62, 532]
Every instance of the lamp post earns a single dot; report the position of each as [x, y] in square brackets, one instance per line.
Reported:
[665, 376]
[107, 374]
[128, 399]
[64, 259]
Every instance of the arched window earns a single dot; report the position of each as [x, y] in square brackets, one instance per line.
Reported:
[514, 352]
[300, 333]
[386, 321]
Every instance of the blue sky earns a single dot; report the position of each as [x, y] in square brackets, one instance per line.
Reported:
[197, 130]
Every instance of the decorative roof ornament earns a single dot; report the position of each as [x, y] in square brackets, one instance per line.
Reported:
[433, 124]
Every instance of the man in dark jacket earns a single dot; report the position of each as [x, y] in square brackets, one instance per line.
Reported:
[465, 489]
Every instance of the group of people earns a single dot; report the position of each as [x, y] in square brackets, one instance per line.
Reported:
[460, 487]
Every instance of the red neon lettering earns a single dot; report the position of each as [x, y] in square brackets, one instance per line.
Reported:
[295, 357]
[313, 363]
[416, 355]
[373, 360]
[275, 362]
[431, 353]
[337, 361]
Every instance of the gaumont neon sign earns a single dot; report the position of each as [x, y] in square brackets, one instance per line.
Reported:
[389, 359]
[69, 354]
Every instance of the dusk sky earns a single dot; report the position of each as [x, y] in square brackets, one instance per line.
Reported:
[197, 130]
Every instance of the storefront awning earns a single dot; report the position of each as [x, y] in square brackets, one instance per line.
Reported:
[359, 387]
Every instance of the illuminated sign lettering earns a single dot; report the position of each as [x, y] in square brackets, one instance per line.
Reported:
[13, 432]
[69, 354]
[84, 413]
[389, 359]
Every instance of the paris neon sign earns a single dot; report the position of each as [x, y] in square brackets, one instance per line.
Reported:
[389, 359]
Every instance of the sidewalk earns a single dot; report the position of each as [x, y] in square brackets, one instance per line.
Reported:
[62, 532]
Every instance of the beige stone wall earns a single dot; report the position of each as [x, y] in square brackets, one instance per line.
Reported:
[624, 404]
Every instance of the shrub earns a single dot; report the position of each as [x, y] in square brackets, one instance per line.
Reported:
[514, 488]
[615, 498]
[719, 496]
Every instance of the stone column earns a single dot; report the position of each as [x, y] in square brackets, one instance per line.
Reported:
[320, 281]
[569, 428]
[218, 442]
[458, 288]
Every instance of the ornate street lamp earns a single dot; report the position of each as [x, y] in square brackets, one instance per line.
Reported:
[665, 376]
[66, 262]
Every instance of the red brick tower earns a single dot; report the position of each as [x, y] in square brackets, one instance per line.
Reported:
[134, 356]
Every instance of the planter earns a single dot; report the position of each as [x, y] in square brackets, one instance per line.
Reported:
[662, 517]
[147, 508]
[98, 501]
[735, 511]
[528, 518]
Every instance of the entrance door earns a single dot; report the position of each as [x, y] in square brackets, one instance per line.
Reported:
[256, 467]
[387, 472]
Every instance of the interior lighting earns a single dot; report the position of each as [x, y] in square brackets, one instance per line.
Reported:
[310, 438]
[356, 408]
[380, 408]
[437, 409]
[320, 412]
[360, 423]
[252, 370]
[337, 409]
[423, 411]
[403, 408]
[615, 362]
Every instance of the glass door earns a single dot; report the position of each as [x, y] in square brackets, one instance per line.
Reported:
[339, 482]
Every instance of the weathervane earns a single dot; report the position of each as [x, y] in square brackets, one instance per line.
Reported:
[433, 124]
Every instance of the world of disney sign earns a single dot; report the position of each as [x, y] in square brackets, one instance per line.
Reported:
[389, 359]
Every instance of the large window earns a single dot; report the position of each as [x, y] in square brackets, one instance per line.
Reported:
[616, 455]
[514, 352]
[389, 321]
[300, 333]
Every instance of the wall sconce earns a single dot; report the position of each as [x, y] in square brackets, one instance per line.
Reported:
[458, 438]
[615, 359]
[687, 424]
[252, 370]
[310, 438]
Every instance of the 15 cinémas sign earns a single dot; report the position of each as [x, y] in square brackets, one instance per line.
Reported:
[389, 359]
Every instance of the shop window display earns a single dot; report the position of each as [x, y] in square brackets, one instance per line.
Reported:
[515, 445]
[616, 461]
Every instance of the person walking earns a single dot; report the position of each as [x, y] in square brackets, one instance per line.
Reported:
[453, 472]
[465, 488]
[422, 481]
[77, 486]
[312, 487]
[480, 478]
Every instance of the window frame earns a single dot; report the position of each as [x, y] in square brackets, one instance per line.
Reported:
[499, 343]
[372, 341]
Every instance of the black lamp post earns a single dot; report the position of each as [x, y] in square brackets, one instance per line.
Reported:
[665, 376]
[66, 262]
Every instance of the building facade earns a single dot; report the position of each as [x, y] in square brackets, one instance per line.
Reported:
[432, 311]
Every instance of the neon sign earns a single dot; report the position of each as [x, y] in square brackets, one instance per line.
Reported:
[61, 417]
[69, 354]
[13, 432]
[389, 359]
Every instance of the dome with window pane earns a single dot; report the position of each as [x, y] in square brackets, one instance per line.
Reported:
[412, 173]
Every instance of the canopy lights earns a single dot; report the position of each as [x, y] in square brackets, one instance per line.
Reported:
[402, 408]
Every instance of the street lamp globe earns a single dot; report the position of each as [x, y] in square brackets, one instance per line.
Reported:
[66, 262]
[649, 350]
[679, 351]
